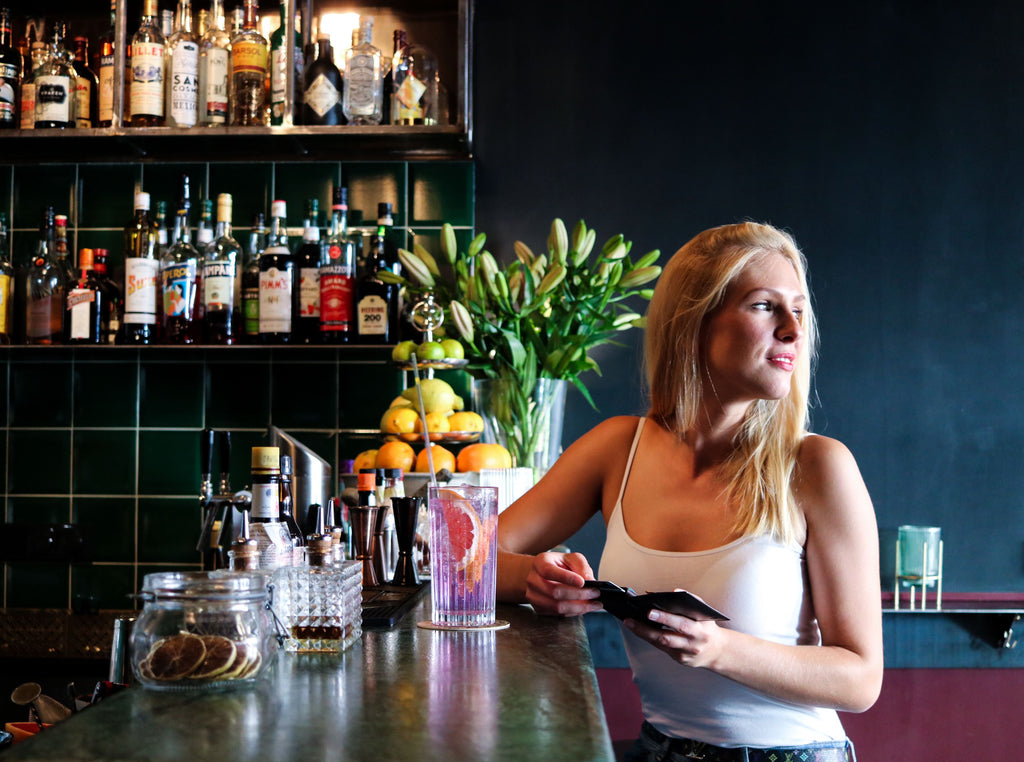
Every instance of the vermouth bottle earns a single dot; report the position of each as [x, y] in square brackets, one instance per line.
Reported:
[251, 281]
[277, 281]
[10, 74]
[214, 64]
[178, 269]
[337, 277]
[306, 326]
[220, 278]
[55, 82]
[363, 91]
[248, 95]
[105, 89]
[146, 90]
[47, 282]
[141, 273]
[181, 68]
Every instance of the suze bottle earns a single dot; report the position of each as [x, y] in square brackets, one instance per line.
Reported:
[141, 275]
[178, 270]
[337, 277]
[220, 279]
[277, 281]
[306, 328]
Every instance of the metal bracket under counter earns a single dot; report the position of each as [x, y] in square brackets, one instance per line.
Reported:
[931, 637]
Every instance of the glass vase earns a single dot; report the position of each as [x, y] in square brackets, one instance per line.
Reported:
[527, 422]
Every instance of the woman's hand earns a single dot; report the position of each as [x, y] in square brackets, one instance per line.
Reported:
[554, 585]
[691, 643]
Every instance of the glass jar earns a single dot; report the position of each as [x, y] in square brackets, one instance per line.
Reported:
[202, 631]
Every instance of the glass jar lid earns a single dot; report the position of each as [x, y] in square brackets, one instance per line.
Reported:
[215, 585]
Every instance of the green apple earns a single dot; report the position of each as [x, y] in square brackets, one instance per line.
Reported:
[453, 349]
[430, 350]
[403, 351]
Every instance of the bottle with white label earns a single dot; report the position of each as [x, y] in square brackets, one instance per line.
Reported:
[55, 83]
[105, 91]
[265, 527]
[141, 274]
[277, 281]
[376, 299]
[220, 280]
[146, 89]
[214, 67]
[85, 307]
[362, 99]
[181, 69]
[279, 70]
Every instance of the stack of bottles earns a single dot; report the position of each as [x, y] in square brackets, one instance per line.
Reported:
[185, 72]
[199, 286]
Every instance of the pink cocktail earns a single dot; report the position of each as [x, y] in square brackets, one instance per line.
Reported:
[463, 554]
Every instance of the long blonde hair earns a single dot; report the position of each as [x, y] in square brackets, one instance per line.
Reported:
[691, 287]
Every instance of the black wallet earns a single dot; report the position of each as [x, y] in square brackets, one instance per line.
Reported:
[624, 603]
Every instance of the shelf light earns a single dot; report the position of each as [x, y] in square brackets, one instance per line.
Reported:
[340, 27]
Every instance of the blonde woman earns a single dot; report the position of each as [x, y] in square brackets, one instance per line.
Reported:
[721, 490]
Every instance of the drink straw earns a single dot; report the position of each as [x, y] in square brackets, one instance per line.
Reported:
[423, 420]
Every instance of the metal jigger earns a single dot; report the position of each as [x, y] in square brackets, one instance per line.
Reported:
[364, 518]
[406, 510]
[379, 567]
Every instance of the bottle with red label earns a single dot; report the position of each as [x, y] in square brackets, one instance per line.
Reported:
[308, 257]
[338, 276]
[86, 312]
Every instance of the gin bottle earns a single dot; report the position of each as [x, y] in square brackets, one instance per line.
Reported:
[214, 64]
[55, 82]
[181, 67]
[362, 102]
[146, 90]
[323, 88]
[414, 86]
[248, 95]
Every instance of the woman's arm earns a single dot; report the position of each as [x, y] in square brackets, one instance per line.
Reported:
[845, 672]
[580, 483]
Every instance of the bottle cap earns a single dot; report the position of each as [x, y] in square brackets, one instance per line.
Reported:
[278, 209]
[393, 473]
[224, 206]
[266, 458]
[366, 480]
[85, 259]
[286, 465]
[142, 200]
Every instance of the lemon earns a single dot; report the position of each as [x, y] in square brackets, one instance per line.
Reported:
[437, 423]
[400, 420]
[365, 459]
[465, 421]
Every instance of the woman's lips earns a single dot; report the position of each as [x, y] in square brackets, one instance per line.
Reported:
[784, 361]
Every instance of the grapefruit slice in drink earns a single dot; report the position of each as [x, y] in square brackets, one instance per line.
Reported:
[464, 530]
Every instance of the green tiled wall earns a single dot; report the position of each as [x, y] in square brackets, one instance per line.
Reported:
[108, 437]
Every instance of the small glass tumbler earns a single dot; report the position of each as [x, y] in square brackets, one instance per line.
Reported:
[919, 561]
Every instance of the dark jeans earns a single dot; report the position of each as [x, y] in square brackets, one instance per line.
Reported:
[654, 746]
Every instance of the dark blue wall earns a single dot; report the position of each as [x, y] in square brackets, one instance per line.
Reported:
[886, 136]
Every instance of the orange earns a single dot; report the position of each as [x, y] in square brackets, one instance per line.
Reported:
[442, 459]
[481, 455]
[466, 421]
[437, 423]
[396, 455]
[365, 459]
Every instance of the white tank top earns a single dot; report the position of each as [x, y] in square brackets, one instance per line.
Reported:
[761, 585]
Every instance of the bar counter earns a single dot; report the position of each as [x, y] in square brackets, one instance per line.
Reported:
[527, 692]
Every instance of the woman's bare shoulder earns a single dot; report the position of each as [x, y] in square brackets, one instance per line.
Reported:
[826, 474]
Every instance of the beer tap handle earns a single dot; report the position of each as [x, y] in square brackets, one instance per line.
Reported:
[206, 463]
[224, 442]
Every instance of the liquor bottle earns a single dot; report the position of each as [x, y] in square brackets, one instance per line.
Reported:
[6, 285]
[271, 535]
[112, 295]
[414, 86]
[214, 65]
[181, 69]
[84, 319]
[376, 300]
[146, 89]
[166, 22]
[161, 228]
[323, 88]
[178, 269]
[384, 237]
[389, 78]
[202, 23]
[10, 74]
[337, 277]
[308, 258]
[220, 278]
[86, 86]
[55, 85]
[205, 229]
[237, 21]
[27, 116]
[44, 307]
[248, 94]
[277, 281]
[251, 281]
[363, 91]
[105, 94]
[61, 249]
[141, 274]
[279, 70]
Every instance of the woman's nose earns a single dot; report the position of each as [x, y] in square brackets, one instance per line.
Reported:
[791, 328]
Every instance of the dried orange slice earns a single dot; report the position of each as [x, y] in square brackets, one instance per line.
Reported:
[220, 655]
[176, 657]
[240, 663]
[253, 666]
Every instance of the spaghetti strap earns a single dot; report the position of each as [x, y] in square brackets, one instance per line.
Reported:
[629, 462]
